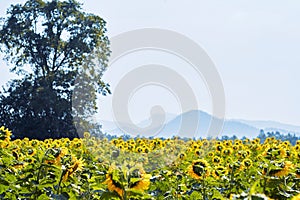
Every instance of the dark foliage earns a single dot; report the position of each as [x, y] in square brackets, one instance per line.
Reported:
[60, 53]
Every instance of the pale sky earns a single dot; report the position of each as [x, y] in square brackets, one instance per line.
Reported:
[254, 45]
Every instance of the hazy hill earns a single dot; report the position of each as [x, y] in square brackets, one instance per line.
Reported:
[185, 125]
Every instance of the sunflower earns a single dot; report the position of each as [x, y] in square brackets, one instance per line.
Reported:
[146, 150]
[257, 140]
[297, 197]
[297, 155]
[31, 152]
[77, 166]
[219, 147]
[62, 153]
[297, 172]
[240, 142]
[166, 142]
[86, 135]
[227, 151]
[18, 165]
[30, 160]
[182, 156]
[34, 143]
[234, 165]
[205, 143]
[139, 180]
[139, 150]
[273, 153]
[17, 142]
[216, 160]
[227, 143]
[5, 133]
[195, 146]
[210, 154]
[112, 182]
[247, 163]
[130, 148]
[159, 143]
[253, 142]
[219, 172]
[259, 157]
[267, 140]
[246, 141]
[16, 154]
[56, 155]
[5, 143]
[131, 142]
[199, 152]
[8, 134]
[199, 169]
[286, 143]
[248, 152]
[236, 147]
[258, 147]
[114, 141]
[242, 154]
[288, 153]
[281, 169]
[122, 146]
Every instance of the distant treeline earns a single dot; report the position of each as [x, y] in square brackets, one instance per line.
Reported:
[292, 138]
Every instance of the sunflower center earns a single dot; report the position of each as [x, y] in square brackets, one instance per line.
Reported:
[199, 168]
[247, 163]
[134, 178]
[116, 183]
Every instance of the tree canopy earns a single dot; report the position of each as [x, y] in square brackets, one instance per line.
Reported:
[60, 54]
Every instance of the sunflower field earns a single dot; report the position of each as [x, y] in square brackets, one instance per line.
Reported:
[141, 168]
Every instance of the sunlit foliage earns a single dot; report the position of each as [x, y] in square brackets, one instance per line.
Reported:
[93, 168]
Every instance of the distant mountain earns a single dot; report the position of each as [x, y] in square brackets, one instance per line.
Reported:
[168, 118]
[196, 123]
[230, 128]
[239, 129]
[186, 124]
[272, 126]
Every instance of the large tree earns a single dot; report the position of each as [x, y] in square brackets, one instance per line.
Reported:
[60, 53]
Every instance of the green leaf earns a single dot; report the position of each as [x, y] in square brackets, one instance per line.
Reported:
[196, 195]
[110, 195]
[43, 197]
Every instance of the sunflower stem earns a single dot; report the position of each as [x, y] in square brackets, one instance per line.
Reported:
[264, 186]
[60, 180]
[125, 195]
[231, 181]
[38, 180]
[203, 188]
[39, 172]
